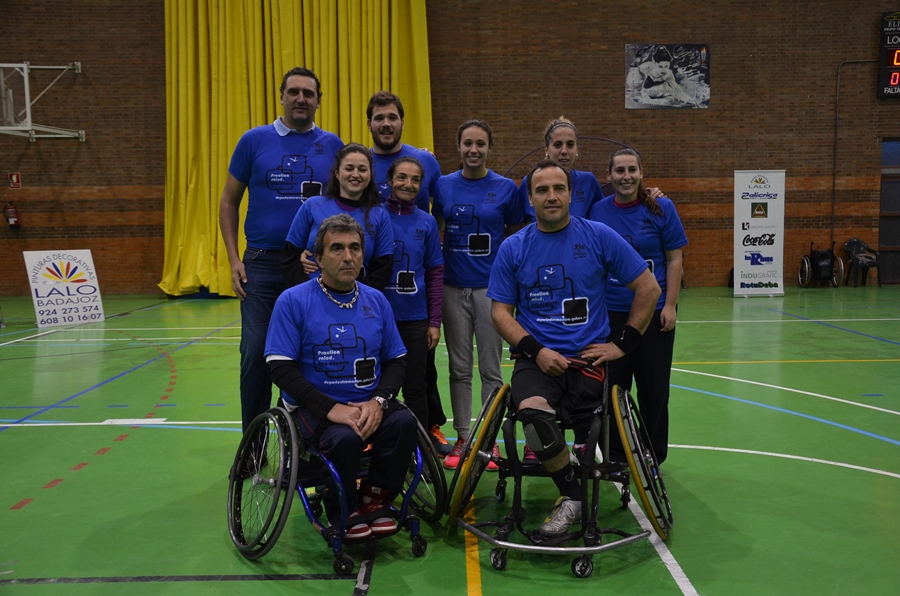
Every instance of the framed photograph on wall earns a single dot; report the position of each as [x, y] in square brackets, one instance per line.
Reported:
[666, 76]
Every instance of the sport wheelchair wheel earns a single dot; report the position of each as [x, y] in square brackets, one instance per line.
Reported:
[837, 275]
[476, 452]
[643, 463]
[261, 483]
[430, 499]
[804, 276]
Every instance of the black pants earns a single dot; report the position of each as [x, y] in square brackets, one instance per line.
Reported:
[435, 407]
[651, 366]
[415, 337]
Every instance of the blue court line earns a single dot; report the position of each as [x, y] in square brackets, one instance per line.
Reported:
[165, 405]
[32, 407]
[875, 337]
[117, 406]
[114, 378]
[213, 405]
[791, 412]
[873, 395]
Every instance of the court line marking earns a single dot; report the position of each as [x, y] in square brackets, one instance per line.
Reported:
[135, 339]
[162, 355]
[27, 338]
[741, 321]
[792, 412]
[730, 362]
[824, 324]
[681, 579]
[473, 565]
[814, 460]
[810, 393]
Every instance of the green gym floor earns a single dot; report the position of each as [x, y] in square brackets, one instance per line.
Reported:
[784, 471]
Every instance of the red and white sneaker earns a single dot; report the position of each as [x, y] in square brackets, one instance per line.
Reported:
[451, 461]
[495, 455]
[372, 498]
[357, 531]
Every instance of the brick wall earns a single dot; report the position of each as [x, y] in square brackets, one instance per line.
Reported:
[773, 75]
[105, 194]
[516, 64]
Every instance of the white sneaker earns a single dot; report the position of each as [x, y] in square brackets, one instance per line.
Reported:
[565, 513]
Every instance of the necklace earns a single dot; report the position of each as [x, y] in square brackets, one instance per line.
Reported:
[335, 300]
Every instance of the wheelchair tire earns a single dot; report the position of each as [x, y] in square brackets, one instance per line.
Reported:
[805, 274]
[430, 499]
[261, 484]
[838, 274]
[476, 453]
[643, 463]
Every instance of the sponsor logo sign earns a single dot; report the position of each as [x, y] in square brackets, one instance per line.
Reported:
[759, 242]
[64, 287]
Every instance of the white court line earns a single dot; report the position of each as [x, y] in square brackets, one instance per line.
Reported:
[121, 422]
[28, 337]
[828, 397]
[794, 457]
[733, 321]
[678, 574]
[105, 339]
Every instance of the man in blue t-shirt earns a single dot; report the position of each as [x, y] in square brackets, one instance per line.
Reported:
[385, 120]
[336, 355]
[548, 287]
[282, 164]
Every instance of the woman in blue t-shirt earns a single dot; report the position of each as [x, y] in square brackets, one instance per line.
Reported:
[350, 190]
[476, 208]
[652, 227]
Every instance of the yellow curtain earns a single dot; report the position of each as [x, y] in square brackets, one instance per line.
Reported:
[224, 64]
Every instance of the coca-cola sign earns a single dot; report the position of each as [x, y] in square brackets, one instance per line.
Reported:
[761, 240]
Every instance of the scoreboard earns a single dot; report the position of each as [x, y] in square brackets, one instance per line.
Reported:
[889, 60]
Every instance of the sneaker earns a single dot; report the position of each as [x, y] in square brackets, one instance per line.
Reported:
[371, 499]
[451, 461]
[495, 455]
[565, 513]
[529, 458]
[439, 442]
[577, 454]
[358, 531]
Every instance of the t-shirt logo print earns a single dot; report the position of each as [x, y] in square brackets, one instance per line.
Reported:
[293, 179]
[343, 356]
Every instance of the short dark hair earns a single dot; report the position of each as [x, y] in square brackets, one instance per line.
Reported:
[301, 71]
[402, 160]
[381, 99]
[547, 163]
[338, 224]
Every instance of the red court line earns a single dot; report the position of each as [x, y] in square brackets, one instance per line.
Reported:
[164, 397]
[150, 415]
[52, 483]
[102, 451]
[21, 504]
[79, 466]
[121, 438]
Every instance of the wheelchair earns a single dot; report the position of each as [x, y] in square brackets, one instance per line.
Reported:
[642, 469]
[821, 265]
[273, 464]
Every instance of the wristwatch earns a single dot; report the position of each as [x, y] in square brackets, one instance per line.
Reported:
[383, 402]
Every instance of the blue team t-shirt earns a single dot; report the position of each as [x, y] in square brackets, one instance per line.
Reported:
[417, 247]
[379, 235]
[585, 193]
[281, 168]
[340, 351]
[557, 281]
[475, 213]
[650, 235]
[382, 163]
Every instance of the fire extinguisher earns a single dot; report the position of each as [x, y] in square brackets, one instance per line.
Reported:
[11, 215]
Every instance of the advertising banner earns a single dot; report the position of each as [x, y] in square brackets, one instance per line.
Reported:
[64, 287]
[758, 232]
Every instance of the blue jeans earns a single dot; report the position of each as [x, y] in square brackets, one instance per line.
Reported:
[265, 283]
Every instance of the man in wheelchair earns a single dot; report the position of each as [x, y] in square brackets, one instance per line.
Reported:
[335, 353]
[548, 286]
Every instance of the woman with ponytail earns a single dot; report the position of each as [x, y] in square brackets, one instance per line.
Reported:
[653, 228]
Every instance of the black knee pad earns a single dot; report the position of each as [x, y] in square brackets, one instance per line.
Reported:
[542, 433]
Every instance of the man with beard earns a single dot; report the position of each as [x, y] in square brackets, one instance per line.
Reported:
[385, 120]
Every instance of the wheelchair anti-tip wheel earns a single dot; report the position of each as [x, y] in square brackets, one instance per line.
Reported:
[643, 463]
[430, 499]
[476, 452]
[261, 483]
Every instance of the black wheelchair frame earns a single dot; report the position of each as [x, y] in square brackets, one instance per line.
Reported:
[821, 265]
[642, 467]
[272, 464]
